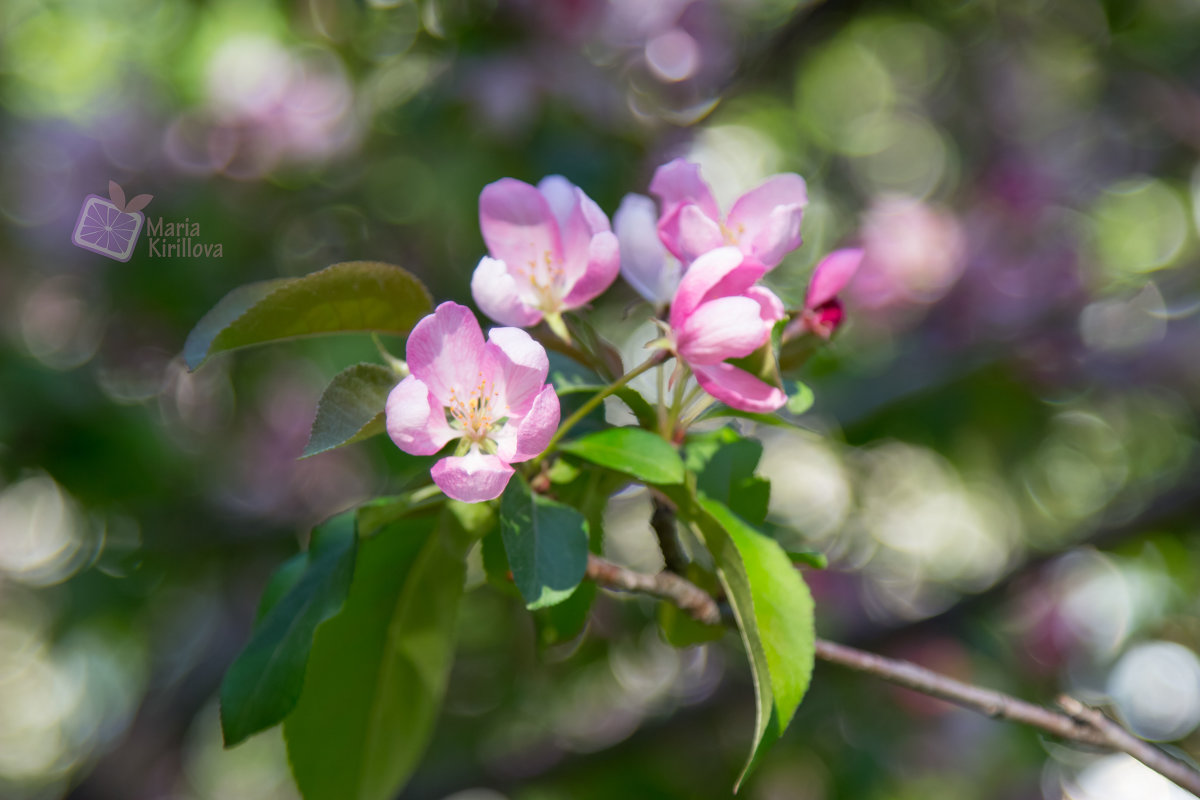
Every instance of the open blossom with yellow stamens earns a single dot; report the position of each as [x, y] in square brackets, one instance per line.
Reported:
[491, 395]
[550, 250]
[764, 223]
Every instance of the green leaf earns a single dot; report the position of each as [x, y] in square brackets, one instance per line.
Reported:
[265, 680]
[379, 669]
[642, 454]
[353, 296]
[351, 408]
[377, 514]
[774, 612]
[564, 621]
[285, 576]
[677, 626]
[546, 543]
[800, 397]
[724, 464]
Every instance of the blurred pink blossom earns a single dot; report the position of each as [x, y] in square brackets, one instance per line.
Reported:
[493, 396]
[913, 254]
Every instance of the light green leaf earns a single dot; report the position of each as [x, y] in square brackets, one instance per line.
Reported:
[546, 543]
[800, 397]
[379, 669]
[351, 408]
[642, 454]
[348, 297]
[265, 680]
[774, 612]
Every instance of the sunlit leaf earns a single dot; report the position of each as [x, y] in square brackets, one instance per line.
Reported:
[349, 297]
[644, 455]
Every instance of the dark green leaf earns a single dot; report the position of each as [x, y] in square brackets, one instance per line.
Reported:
[724, 464]
[285, 576]
[351, 408]
[265, 680]
[564, 621]
[546, 543]
[379, 669]
[354, 296]
[644, 455]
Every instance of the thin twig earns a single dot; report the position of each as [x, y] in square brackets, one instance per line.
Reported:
[1118, 738]
[1080, 724]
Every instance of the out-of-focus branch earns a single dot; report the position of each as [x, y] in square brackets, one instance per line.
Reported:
[1080, 723]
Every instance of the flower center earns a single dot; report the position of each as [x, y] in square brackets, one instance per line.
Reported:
[472, 412]
[545, 276]
[730, 236]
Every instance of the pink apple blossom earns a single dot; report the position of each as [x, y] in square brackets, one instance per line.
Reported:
[645, 263]
[717, 314]
[764, 223]
[823, 311]
[550, 249]
[492, 395]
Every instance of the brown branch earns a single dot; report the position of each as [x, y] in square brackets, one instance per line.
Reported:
[666, 585]
[1080, 723]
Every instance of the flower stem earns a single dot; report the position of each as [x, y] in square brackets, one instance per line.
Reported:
[595, 400]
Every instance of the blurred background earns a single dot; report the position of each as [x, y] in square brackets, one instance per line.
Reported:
[1001, 461]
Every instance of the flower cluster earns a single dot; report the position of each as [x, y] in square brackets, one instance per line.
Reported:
[550, 250]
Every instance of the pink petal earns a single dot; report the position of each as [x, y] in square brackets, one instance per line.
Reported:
[718, 273]
[739, 389]
[750, 213]
[678, 182]
[445, 351]
[416, 421]
[688, 233]
[517, 366]
[779, 236]
[499, 295]
[831, 276]
[566, 201]
[538, 426]
[645, 263]
[728, 327]
[518, 225]
[472, 478]
[770, 306]
[603, 266]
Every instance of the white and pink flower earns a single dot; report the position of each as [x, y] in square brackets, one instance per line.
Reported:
[491, 395]
[718, 314]
[764, 223]
[550, 250]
